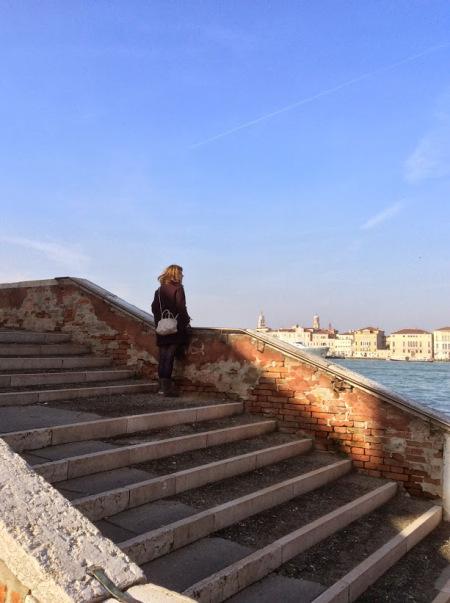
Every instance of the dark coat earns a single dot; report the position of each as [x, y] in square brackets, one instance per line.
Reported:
[174, 300]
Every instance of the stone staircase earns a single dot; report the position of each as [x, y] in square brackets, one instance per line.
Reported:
[209, 501]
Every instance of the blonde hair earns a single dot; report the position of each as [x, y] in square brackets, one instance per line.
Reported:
[172, 273]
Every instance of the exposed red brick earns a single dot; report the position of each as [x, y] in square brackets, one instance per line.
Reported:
[360, 457]
[399, 477]
[356, 450]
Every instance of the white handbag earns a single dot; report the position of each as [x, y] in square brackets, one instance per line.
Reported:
[168, 324]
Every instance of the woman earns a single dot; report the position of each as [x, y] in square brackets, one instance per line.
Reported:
[170, 296]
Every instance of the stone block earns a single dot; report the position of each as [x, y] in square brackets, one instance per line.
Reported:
[56, 471]
[159, 487]
[28, 440]
[76, 432]
[98, 461]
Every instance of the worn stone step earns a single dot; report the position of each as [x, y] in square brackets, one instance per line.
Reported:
[33, 439]
[44, 349]
[207, 556]
[153, 544]
[52, 363]
[16, 380]
[354, 583]
[230, 580]
[330, 560]
[114, 501]
[420, 575]
[73, 393]
[11, 336]
[104, 481]
[137, 453]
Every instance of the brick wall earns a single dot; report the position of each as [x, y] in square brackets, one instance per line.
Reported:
[384, 436]
[11, 590]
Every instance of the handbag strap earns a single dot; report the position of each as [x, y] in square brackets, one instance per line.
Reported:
[160, 306]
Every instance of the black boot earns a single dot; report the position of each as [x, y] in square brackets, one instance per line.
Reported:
[169, 388]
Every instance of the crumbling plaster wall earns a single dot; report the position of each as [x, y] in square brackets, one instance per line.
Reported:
[62, 305]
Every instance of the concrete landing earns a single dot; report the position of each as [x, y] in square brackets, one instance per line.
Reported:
[188, 565]
[55, 453]
[18, 418]
[150, 516]
[101, 482]
[279, 588]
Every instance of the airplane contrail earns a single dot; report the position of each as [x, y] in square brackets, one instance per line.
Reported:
[326, 92]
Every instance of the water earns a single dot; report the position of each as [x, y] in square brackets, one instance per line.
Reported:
[427, 383]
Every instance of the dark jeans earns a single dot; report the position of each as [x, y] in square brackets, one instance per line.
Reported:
[166, 359]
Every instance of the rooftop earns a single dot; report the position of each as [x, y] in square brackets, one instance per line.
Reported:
[411, 332]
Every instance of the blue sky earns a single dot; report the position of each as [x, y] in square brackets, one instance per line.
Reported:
[293, 156]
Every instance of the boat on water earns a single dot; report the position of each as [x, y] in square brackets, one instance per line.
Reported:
[321, 351]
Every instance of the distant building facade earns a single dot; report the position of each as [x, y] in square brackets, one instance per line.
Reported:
[411, 344]
[441, 346]
[342, 345]
[368, 342]
[310, 337]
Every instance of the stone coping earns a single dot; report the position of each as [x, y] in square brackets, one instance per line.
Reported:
[357, 380]
[112, 299]
[51, 282]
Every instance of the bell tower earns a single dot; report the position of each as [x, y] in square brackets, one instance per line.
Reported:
[261, 321]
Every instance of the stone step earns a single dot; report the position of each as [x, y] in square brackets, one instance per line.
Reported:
[33, 439]
[97, 483]
[73, 393]
[12, 336]
[106, 503]
[156, 514]
[16, 380]
[124, 456]
[53, 363]
[207, 556]
[420, 574]
[44, 349]
[155, 543]
[330, 560]
[357, 581]
[254, 567]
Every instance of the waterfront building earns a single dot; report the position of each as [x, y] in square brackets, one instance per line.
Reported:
[342, 345]
[307, 336]
[441, 339]
[411, 344]
[310, 337]
[368, 341]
